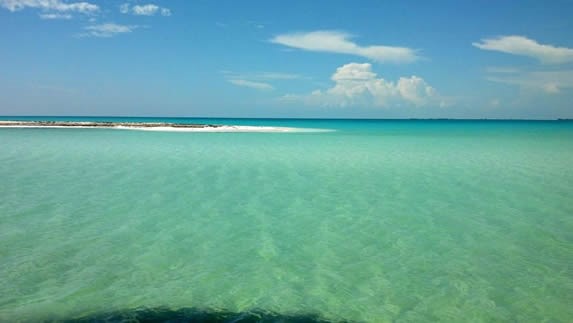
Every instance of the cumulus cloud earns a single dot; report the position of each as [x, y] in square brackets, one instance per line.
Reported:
[341, 43]
[50, 6]
[519, 45]
[550, 82]
[107, 30]
[357, 85]
[144, 10]
[251, 84]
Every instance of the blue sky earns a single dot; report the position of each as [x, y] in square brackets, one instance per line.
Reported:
[366, 59]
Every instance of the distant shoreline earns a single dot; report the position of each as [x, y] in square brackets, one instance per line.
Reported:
[150, 126]
[55, 117]
[100, 124]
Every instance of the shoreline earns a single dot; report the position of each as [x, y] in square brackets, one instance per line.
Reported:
[150, 126]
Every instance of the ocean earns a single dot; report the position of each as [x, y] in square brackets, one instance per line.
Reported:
[375, 221]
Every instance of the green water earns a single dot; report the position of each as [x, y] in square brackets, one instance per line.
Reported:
[377, 221]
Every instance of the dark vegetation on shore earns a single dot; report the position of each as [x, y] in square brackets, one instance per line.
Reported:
[103, 124]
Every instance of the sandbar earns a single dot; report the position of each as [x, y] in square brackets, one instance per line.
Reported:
[151, 126]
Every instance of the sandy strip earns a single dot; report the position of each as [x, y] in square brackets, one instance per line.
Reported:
[228, 129]
[178, 129]
[53, 127]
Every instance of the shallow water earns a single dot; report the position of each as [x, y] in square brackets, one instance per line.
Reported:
[377, 221]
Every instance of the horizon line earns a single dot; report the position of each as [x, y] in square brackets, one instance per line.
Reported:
[280, 118]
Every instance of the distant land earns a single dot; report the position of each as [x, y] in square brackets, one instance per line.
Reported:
[151, 126]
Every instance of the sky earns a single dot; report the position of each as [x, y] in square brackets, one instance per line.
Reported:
[297, 59]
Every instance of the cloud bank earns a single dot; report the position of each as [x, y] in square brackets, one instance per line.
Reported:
[356, 84]
[519, 45]
[550, 82]
[340, 42]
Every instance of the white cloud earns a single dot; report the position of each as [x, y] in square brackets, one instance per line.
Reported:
[144, 10]
[519, 45]
[165, 12]
[415, 90]
[501, 69]
[258, 76]
[340, 42]
[550, 82]
[107, 30]
[53, 16]
[256, 24]
[357, 85]
[124, 8]
[258, 80]
[50, 5]
[251, 84]
[278, 76]
[551, 88]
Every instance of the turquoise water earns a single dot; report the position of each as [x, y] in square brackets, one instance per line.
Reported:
[408, 221]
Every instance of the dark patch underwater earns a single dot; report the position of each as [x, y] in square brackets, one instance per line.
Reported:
[152, 315]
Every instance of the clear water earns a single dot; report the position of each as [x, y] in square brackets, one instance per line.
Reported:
[378, 221]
